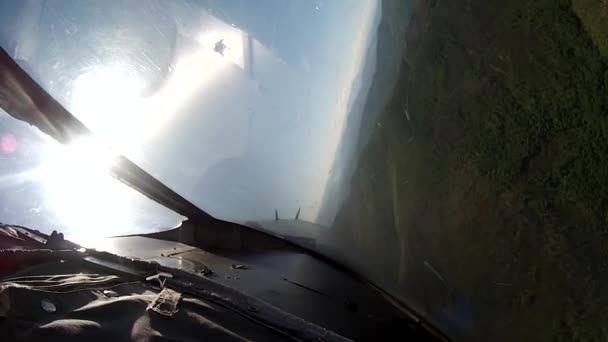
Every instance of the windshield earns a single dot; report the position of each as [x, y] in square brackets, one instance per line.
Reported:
[452, 152]
[48, 186]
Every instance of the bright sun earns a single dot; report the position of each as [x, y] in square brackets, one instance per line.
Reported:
[107, 99]
[81, 191]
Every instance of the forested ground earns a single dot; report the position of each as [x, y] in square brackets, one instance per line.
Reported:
[490, 163]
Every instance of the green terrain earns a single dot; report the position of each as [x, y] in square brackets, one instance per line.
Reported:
[499, 177]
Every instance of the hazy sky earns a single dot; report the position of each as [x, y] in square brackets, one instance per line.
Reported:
[241, 133]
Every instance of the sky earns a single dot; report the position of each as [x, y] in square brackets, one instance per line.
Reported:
[241, 133]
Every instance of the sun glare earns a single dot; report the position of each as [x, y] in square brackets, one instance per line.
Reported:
[80, 189]
[108, 99]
